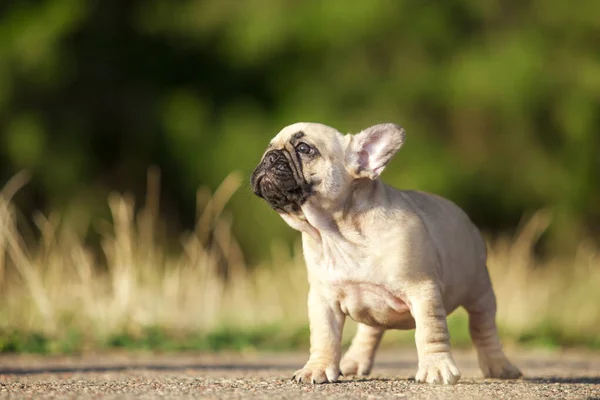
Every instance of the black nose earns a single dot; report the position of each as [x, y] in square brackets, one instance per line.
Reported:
[270, 158]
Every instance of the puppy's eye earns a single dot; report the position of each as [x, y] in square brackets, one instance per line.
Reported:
[304, 148]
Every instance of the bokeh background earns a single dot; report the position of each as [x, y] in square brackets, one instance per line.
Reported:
[500, 101]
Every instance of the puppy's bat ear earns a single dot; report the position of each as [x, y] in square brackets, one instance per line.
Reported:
[373, 148]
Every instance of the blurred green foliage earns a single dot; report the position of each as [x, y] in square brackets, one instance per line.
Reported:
[500, 100]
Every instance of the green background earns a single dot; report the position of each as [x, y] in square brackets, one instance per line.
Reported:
[500, 101]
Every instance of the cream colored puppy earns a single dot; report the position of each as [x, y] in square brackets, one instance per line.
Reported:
[387, 258]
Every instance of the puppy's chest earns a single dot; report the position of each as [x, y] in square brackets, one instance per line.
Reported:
[360, 284]
[334, 264]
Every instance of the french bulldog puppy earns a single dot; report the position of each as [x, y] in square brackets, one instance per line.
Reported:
[387, 258]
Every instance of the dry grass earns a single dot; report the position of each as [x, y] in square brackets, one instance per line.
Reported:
[58, 285]
[558, 294]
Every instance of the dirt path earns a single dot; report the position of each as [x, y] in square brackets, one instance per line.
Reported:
[556, 375]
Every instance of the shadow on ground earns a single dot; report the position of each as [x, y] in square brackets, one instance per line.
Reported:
[150, 367]
[579, 379]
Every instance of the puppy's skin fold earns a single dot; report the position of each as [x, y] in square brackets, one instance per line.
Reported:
[387, 258]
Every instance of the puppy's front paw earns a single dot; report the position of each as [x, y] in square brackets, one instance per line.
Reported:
[438, 369]
[317, 373]
[356, 365]
[499, 368]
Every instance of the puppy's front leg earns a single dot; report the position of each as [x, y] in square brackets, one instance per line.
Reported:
[436, 364]
[326, 325]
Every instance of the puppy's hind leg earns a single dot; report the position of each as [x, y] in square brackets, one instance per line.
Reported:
[482, 327]
[359, 358]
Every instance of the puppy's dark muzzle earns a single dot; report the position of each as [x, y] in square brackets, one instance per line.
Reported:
[279, 182]
[273, 161]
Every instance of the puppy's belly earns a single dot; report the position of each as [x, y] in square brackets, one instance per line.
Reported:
[373, 305]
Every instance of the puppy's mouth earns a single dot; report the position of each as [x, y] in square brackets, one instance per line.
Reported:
[279, 180]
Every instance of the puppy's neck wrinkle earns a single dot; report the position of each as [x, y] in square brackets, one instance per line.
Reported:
[300, 223]
[336, 255]
[344, 224]
[366, 196]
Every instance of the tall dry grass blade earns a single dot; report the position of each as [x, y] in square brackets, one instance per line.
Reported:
[216, 204]
[528, 235]
[122, 263]
[14, 184]
[30, 275]
[235, 258]
[48, 227]
[203, 196]
[148, 219]
[4, 217]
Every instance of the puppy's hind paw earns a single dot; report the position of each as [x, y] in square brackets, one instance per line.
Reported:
[499, 368]
[438, 369]
[317, 374]
[352, 366]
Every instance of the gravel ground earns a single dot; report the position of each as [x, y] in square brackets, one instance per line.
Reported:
[566, 374]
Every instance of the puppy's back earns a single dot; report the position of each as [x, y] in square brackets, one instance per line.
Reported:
[457, 240]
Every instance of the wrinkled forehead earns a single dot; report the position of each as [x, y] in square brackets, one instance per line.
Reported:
[318, 135]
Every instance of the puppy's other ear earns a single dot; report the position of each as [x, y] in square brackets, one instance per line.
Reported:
[372, 149]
